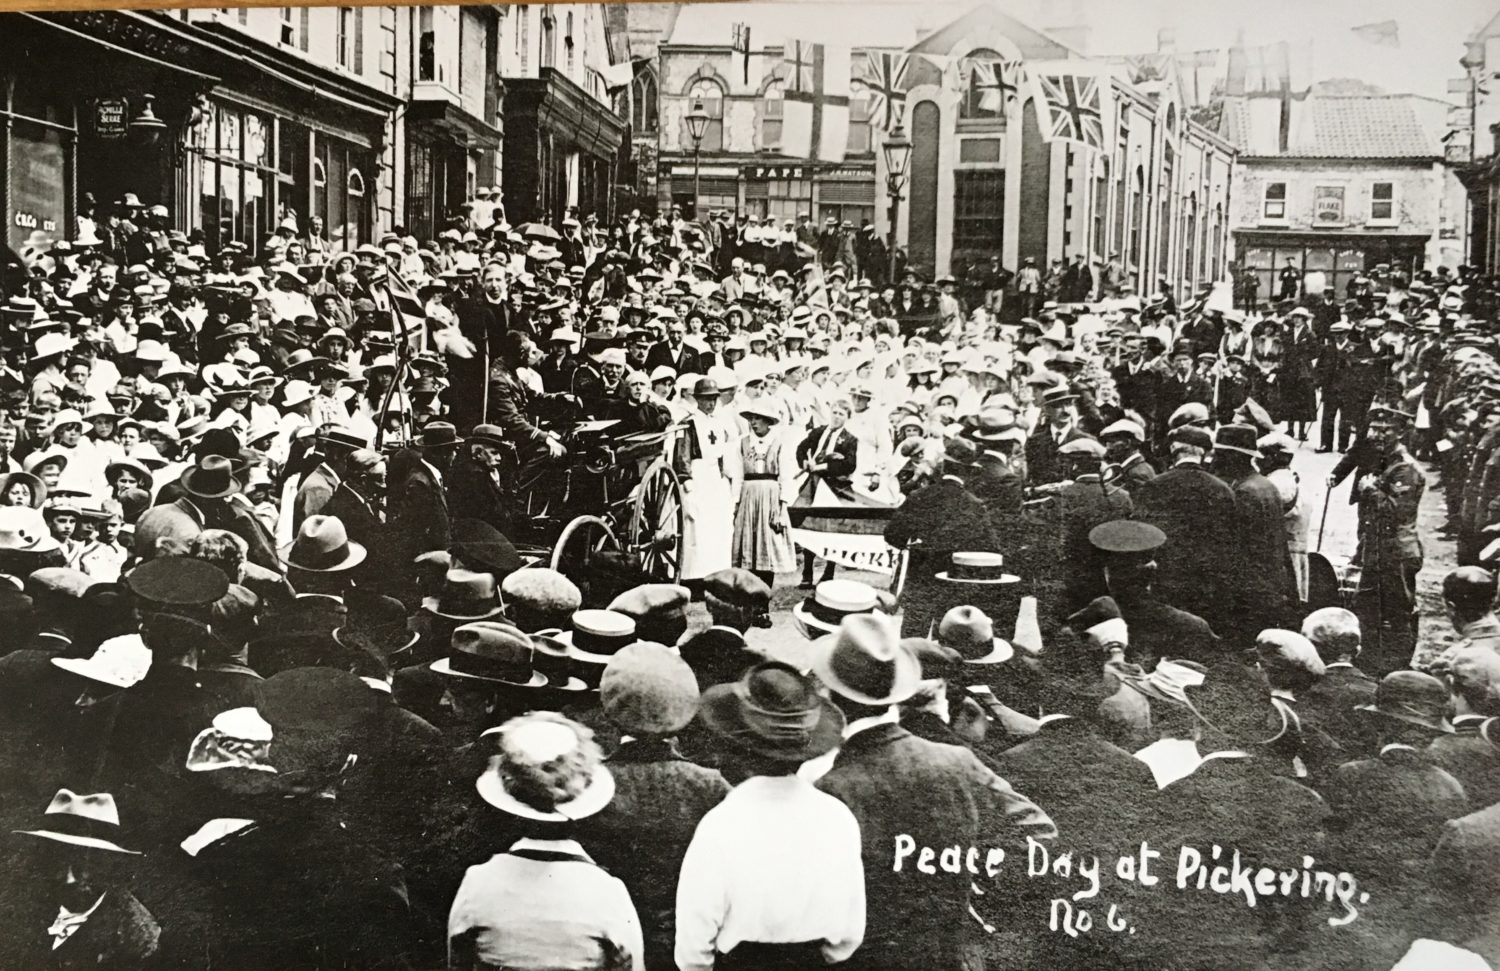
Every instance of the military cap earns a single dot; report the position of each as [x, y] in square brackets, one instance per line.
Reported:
[178, 580]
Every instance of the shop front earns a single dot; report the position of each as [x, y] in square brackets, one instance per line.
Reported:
[446, 149]
[1339, 258]
[92, 102]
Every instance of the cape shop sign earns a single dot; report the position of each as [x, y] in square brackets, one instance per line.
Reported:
[110, 118]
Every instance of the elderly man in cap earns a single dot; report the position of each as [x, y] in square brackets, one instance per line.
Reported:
[902, 789]
[1390, 551]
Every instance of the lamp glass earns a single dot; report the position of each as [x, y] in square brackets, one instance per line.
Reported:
[697, 120]
[897, 151]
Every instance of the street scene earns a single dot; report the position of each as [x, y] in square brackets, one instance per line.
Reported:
[751, 486]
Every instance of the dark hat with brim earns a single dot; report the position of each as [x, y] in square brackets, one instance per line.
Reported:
[1415, 698]
[775, 712]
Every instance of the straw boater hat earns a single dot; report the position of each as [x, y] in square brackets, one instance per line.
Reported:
[595, 637]
[977, 567]
[91, 821]
[830, 602]
[546, 768]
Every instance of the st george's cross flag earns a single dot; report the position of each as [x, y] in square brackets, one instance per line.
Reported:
[815, 102]
[1071, 107]
[883, 76]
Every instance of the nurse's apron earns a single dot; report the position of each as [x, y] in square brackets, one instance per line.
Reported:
[707, 503]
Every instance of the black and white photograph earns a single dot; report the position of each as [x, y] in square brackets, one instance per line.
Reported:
[967, 485]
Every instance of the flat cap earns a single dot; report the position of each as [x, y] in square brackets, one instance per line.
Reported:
[1126, 536]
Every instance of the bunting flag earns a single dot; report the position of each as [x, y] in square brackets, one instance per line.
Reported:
[998, 83]
[1070, 107]
[815, 102]
[884, 78]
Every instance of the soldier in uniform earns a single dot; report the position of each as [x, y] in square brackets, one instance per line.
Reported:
[1389, 554]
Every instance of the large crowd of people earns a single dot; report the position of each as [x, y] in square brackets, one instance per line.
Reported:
[281, 691]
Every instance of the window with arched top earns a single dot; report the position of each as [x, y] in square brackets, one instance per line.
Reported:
[983, 99]
[356, 183]
[711, 95]
[770, 115]
[643, 101]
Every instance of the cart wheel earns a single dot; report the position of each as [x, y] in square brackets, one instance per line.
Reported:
[656, 524]
[578, 544]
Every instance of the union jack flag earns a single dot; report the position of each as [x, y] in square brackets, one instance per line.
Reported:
[884, 78]
[1071, 107]
[999, 84]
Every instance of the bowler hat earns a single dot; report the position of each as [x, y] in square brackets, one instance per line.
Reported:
[775, 712]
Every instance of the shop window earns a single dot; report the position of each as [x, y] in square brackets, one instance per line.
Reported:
[1383, 202]
[348, 39]
[643, 101]
[978, 211]
[568, 43]
[770, 116]
[1275, 201]
[859, 142]
[426, 45]
[712, 97]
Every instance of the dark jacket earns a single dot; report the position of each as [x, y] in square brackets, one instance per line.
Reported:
[840, 457]
[1188, 503]
[1331, 702]
[418, 514]
[1043, 463]
[644, 832]
[897, 784]
[933, 523]
[1389, 810]
[1471, 758]
[121, 935]
[684, 360]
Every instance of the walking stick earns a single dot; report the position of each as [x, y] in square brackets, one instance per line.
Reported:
[1323, 520]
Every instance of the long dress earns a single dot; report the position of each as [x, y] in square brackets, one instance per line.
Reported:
[762, 530]
[711, 460]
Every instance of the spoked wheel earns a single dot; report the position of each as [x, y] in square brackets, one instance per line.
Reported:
[582, 551]
[655, 530]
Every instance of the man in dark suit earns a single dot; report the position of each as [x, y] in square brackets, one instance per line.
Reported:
[1139, 377]
[1181, 385]
[1058, 426]
[931, 525]
[482, 319]
[206, 500]
[674, 352]
[1187, 502]
[899, 786]
[475, 487]
[418, 495]
[1261, 577]
[1330, 704]
[1463, 879]
[1471, 754]
[1331, 376]
[356, 503]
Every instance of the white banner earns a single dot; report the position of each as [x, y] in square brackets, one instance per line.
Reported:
[857, 551]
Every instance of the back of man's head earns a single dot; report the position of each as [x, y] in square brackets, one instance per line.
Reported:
[1334, 631]
[1469, 592]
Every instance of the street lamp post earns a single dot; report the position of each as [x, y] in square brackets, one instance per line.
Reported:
[697, 122]
[897, 151]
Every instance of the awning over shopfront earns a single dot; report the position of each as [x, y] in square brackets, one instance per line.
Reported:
[463, 128]
[553, 102]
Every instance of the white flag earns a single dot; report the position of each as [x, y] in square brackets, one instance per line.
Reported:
[815, 102]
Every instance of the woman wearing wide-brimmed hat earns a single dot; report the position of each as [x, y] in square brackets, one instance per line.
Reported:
[773, 878]
[762, 528]
[544, 902]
